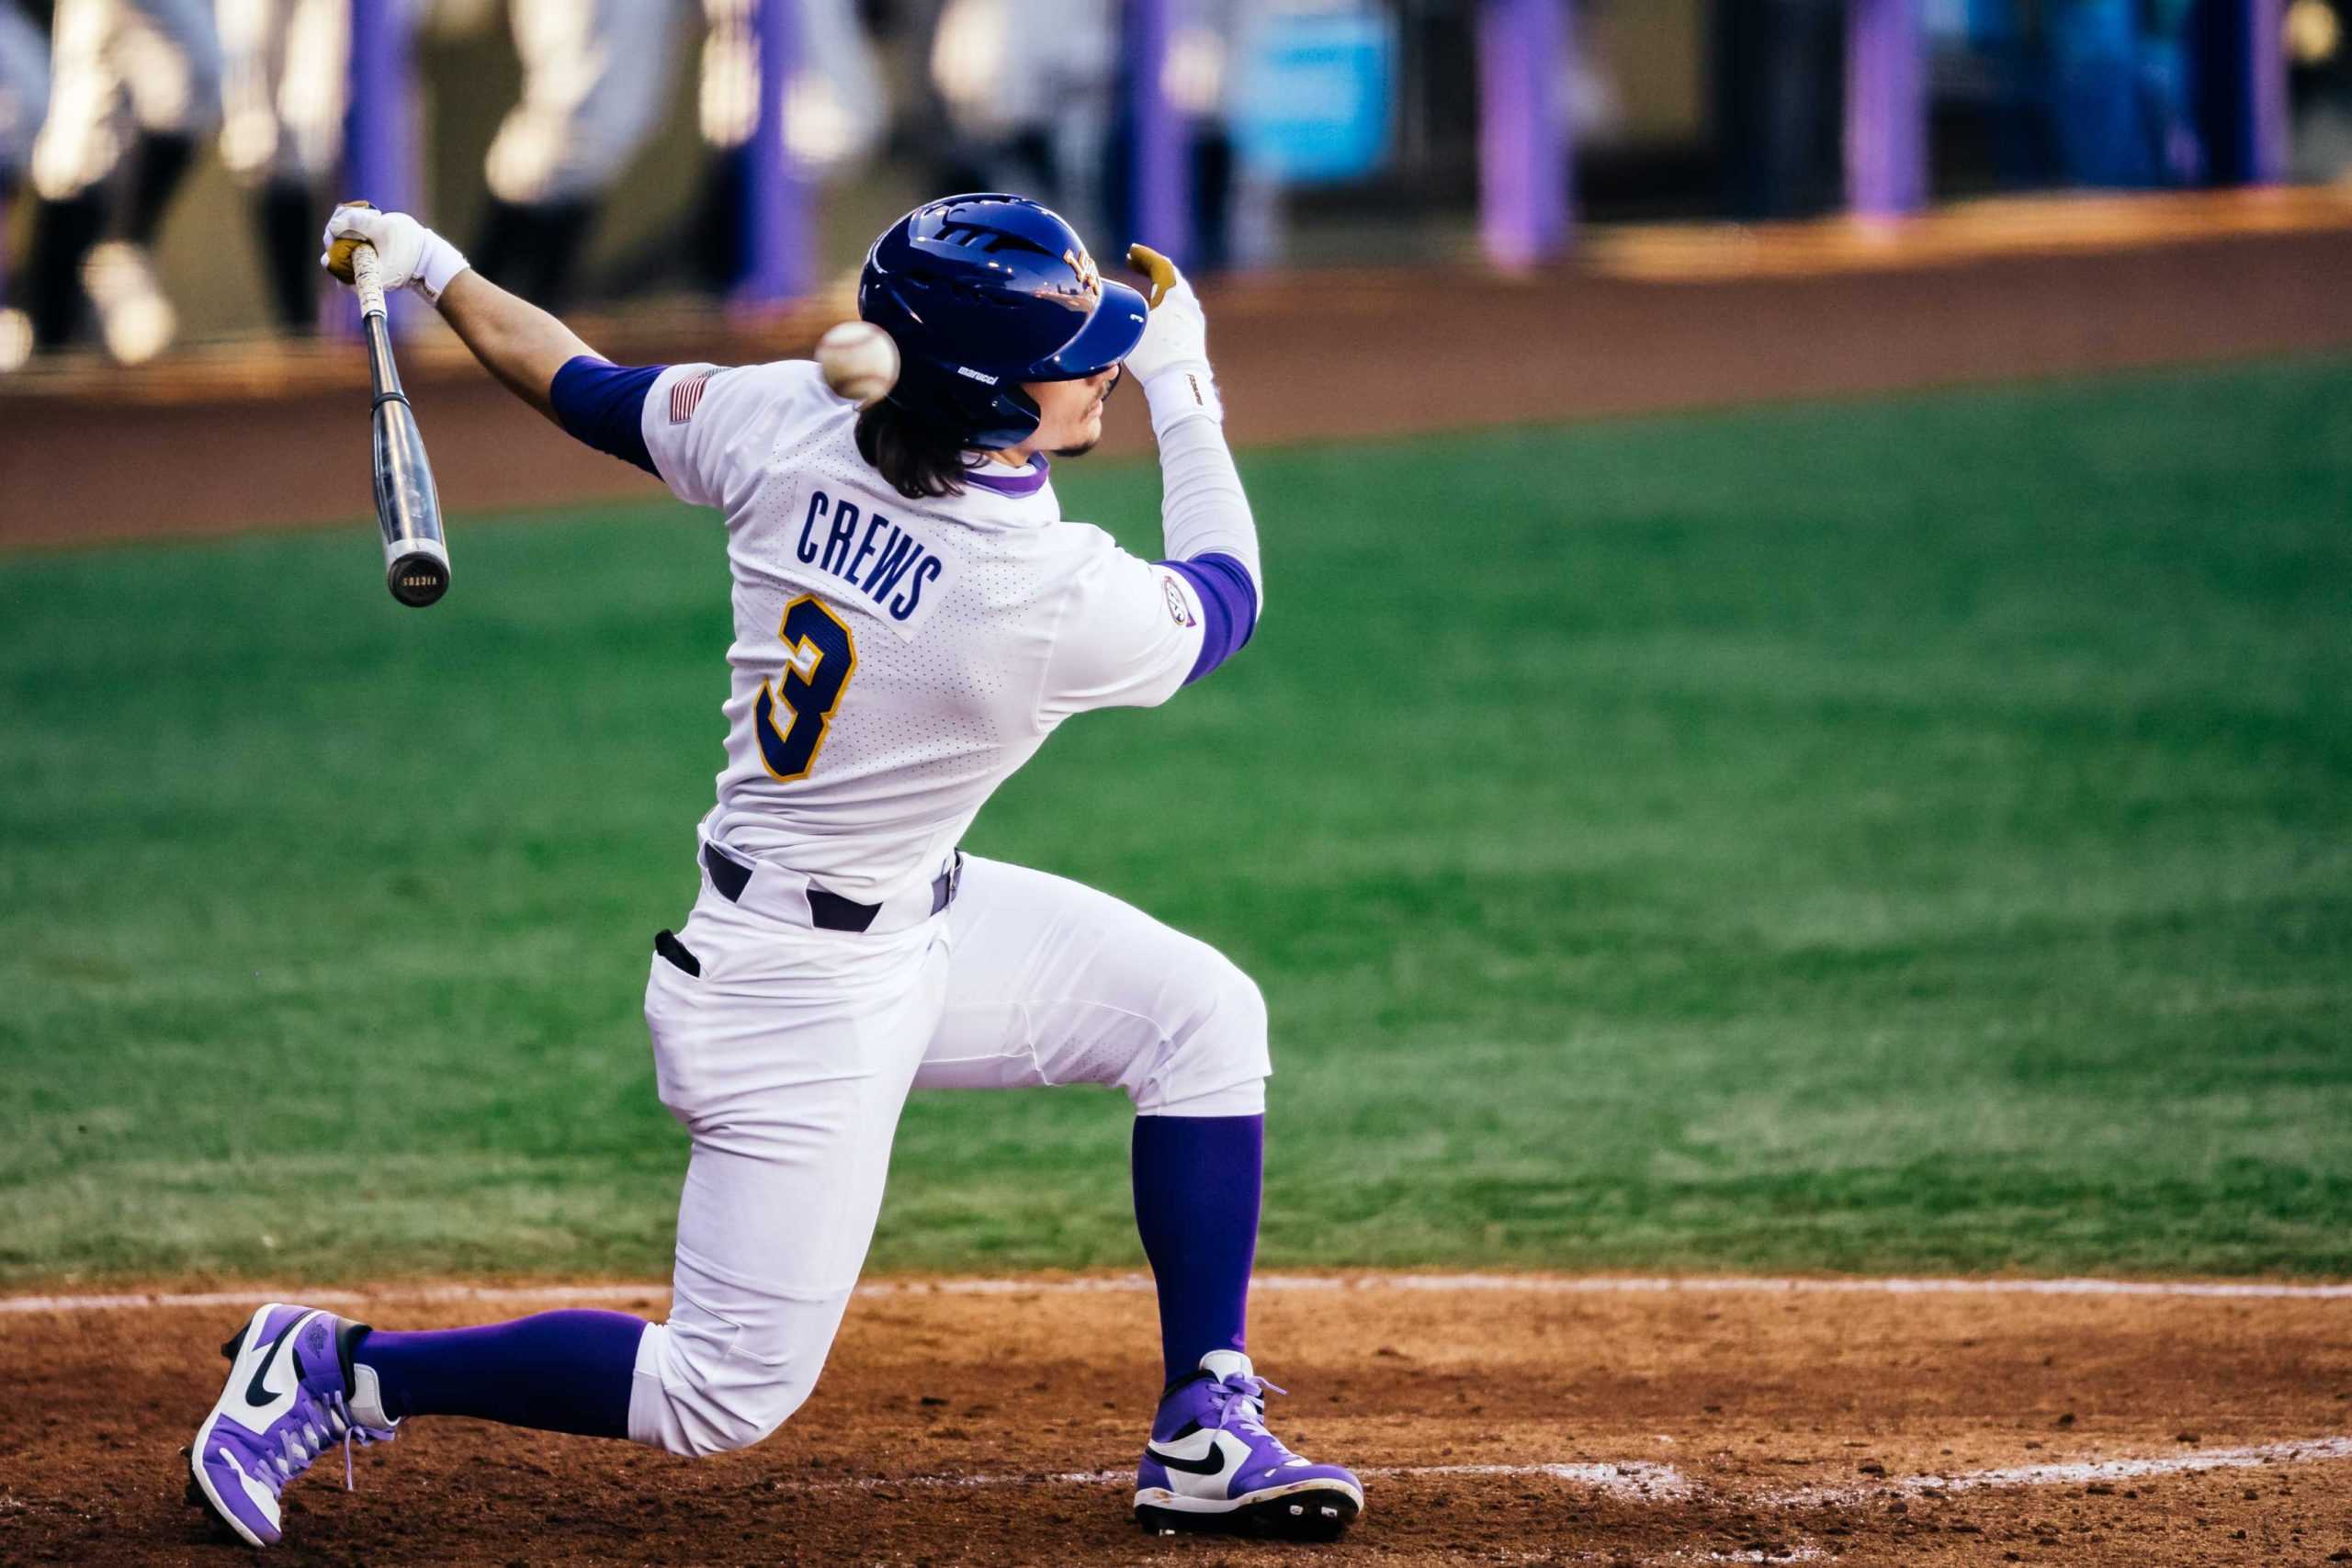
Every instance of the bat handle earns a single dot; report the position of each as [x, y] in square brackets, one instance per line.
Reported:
[367, 280]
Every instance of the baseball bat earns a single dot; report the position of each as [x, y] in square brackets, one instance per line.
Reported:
[416, 553]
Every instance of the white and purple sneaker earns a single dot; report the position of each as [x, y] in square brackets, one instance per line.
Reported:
[291, 1392]
[1212, 1465]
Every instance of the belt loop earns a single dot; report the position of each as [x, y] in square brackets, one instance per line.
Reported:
[725, 875]
[832, 912]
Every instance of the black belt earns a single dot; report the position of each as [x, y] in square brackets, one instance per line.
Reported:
[827, 911]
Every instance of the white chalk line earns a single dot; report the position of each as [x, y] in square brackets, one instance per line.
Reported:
[1634, 1478]
[1643, 1481]
[2081, 1472]
[1128, 1284]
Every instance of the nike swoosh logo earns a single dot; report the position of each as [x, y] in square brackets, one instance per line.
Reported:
[258, 1392]
[1211, 1464]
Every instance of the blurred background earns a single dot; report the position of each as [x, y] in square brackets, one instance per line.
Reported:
[164, 163]
[1872, 783]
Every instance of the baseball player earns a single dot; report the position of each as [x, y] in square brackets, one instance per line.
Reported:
[912, 619]
[133, 84]
[595, 76]
[287, 63]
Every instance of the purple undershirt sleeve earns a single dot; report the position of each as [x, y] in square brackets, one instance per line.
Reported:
[602, 404]
[1228, 608]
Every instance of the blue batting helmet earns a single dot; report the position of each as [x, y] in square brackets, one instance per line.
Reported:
[981, 293]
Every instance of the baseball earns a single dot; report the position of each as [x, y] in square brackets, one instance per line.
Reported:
[859, 360]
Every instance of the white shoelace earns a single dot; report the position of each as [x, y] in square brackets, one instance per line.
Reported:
[297, 1449]
[1243, 1405]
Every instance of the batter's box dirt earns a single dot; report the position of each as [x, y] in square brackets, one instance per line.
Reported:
[1540, 1421]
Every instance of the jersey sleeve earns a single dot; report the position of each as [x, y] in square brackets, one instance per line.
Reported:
[706, 428]
[1131, 633]
[600, 404]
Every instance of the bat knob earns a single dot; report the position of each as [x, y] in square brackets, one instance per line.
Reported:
[418, 576]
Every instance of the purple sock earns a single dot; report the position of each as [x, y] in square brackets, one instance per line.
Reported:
[558, 1371]
[1196, 1204]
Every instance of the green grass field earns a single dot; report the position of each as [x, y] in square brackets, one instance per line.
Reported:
[1904, 836]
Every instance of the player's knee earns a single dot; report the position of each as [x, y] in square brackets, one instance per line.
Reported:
[1216, 1060]
[699, 1394]
[740, 1416]
[1238, 1018]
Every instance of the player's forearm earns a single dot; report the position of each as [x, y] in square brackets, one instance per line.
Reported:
[1203, 508]
[518, 343]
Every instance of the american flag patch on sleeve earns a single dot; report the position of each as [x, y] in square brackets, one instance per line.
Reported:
[686, 395]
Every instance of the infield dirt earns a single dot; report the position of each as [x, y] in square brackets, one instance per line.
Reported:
[1738, 1424]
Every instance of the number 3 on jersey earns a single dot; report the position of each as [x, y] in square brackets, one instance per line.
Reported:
[823, 656]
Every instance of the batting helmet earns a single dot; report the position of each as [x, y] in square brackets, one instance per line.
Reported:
[981, 293]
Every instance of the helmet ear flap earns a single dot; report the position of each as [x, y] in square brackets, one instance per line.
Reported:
[973, 413]
[1013, 418]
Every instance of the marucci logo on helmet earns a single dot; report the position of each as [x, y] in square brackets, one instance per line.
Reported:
[981, 375]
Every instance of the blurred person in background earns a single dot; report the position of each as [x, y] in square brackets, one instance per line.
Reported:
[1035, 97]
[2119, 73]
[2319, 87]
[1026, 91]
[288, 62]
[2090, 91]
[1206, 46]
[836, 114]
[595, 74]
[24, 99]
[133, 84]
[1779, 69]
[597, 78]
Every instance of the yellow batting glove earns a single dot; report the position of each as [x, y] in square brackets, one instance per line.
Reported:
[1157, 267]
[338, 257]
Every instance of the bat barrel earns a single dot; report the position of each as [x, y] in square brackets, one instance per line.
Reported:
[416, 557]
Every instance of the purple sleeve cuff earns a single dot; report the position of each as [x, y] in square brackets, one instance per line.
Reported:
[604, 405]
[1228, 608]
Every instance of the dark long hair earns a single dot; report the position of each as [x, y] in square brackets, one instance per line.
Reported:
[919, 460]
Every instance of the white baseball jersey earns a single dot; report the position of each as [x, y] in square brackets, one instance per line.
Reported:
[894, 661]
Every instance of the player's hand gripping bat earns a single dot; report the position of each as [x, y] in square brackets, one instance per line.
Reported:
[416, 556]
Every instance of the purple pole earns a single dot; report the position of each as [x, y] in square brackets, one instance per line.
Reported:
[2242, 100]
[777, 265]
[2266, 49]
[1525, 166]
[379, 131]
[1163, 201]
[1887, 108]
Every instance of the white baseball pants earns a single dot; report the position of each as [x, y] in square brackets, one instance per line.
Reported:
[789, 1058]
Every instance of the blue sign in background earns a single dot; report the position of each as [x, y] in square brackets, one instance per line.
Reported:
[1314, 104]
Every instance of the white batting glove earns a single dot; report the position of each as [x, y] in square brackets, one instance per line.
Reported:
[408, 255]
[1171, 362]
